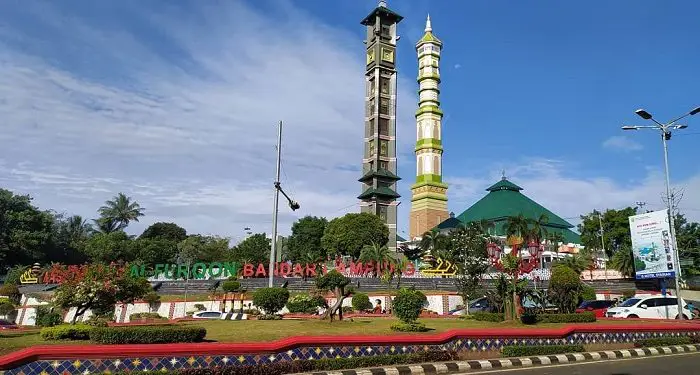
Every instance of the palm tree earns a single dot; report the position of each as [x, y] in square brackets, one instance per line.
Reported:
[623, 261]
[106, 225]
[538, 231]
[517, 229]
[554, 239]
[120, 211]
[376, 254]
[576, 262]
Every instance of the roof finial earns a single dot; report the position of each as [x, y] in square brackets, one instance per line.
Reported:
[428, 26]
[382, 4]
[503, 174]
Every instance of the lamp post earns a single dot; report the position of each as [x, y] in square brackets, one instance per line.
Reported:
[666, 132]
[292, 204]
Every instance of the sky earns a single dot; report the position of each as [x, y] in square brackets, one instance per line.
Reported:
[176, 104]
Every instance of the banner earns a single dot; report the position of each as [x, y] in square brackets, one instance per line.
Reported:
[651, 245]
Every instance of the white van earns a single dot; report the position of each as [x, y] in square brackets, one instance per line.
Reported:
[649, 307]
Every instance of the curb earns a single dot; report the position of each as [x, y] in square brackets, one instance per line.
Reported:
[463, 366]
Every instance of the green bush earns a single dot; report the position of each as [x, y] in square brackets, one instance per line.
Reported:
[200, 307]
[147, 334]
[321, 365]
[231, 286]
[564, 287]
[488, 317]
[304, 304]
[47, 317]
[270, 300]
[530, 318]
[663, 341]
[11, 291]
[6, 308]
[98, 321]
[146, 315]
[587, 293]
[361, 303]
[67, 332]
[408, 304]
[410, 327]
[526, 351]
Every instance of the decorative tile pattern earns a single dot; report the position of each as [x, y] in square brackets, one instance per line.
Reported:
[110, 365]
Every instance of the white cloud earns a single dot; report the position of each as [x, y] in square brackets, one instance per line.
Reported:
[191, 138]
[622, 143]
[457, 66]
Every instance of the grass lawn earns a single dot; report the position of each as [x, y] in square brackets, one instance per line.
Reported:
[270, 330]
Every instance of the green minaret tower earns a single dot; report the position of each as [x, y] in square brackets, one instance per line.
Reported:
[379, 162]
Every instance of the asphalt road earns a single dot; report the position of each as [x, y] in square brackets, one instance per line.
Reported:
[670, 364]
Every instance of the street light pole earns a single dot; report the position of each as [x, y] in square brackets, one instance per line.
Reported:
[665, 136]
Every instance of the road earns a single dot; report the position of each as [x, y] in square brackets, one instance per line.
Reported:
[668, 364]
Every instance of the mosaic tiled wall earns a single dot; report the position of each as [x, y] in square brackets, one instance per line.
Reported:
[106, 366]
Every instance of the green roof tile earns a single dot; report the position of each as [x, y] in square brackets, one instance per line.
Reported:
[380, 173]
[381, 191]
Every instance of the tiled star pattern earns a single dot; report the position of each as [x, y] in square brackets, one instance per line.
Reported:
[108, 366]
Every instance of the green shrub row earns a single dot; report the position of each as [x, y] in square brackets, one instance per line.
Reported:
[530, 318]
[47, 317]
[301, 366]
[147, 334]
[488, 317]
[527, 351]
[66, 332]
[146, 315]
[663, 341]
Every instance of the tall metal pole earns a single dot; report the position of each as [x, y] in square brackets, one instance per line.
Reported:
[672, 224]
[602, 246]
[273, 249]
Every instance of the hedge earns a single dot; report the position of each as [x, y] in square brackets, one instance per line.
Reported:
[67, 332]
[147, 334]
[585, 317]
[410, 327]
[663, 341]
[146, 315]
[526, 351]
[488, 317]
[300, 366]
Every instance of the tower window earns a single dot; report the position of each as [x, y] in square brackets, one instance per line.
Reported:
[383, 147]
[370, 107]
[383, 106]
[383, 165]
[383, 126]
[384, 86]
[383, 212]
[372, 149]
[371, 87]
[386, 31]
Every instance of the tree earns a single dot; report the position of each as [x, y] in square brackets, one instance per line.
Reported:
[688, 240]
[305, 241]
[154, 250]
[109, 247]
[469, 247]
[70, 235]
[120, 211]
[254, 249]
[361, 303]
[564, 288]
[198, 248]
[99, 289]
[336, 283]
[623, 261]
[347, 235]
[165, 231]
[25, 231]
[378, 255]
[616, 229]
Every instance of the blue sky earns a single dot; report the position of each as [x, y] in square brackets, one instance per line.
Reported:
[175, 103]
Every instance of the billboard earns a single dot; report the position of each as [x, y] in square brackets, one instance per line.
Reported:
[651, 245]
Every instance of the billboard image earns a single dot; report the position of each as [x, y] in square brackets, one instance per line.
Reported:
[651, 245]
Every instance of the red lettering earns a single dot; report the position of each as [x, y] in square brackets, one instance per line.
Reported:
[355, 268]
[260, 271]
[298, 270]
[285, 269]
[410, 269]
[311, 270]
[369, 267]
[248, 270]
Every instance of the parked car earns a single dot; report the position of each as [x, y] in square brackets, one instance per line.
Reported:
[208, 315]
[649, 307]
[6, 324]
[598, 307]
[479, 304]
